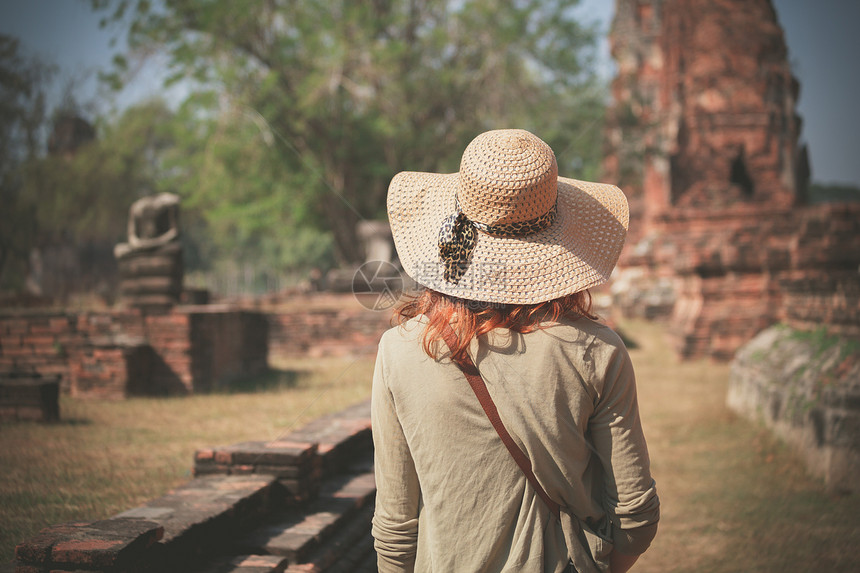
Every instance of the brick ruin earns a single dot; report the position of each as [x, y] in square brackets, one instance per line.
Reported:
[300, 504]
[122, 353]
[705, 140]
[189, 349]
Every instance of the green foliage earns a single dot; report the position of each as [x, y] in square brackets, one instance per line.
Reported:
[829, 193]
[820, 340]
[22, 117]
[85, 196]
[307, 109]
[248, 206]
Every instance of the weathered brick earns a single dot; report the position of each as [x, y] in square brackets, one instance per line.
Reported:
[10, 340]
[204, 454]
[272, 453]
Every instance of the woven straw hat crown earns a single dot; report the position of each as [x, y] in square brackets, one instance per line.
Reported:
[507, 176]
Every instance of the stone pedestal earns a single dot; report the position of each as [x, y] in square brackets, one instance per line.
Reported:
[152, 279]
[150, 263]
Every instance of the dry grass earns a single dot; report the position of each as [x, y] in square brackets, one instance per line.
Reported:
[106, 457]
[733, 498]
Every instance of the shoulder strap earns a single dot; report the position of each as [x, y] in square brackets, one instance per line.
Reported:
[480, 388]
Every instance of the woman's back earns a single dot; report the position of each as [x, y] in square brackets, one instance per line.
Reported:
[506, 250]
[477, 511]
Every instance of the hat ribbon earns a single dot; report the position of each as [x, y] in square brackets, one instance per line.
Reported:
[458, 237]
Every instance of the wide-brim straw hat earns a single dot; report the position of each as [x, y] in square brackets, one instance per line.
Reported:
[506, 228]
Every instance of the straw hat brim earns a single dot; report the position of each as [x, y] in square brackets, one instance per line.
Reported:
[578, 251]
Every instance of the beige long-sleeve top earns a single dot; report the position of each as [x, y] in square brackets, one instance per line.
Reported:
[451, 498]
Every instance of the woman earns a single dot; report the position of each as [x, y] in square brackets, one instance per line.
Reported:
[507, 250]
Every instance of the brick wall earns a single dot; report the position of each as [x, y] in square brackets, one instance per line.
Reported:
[327, 325]
[118, 353]
[226, 344]
[39, 342]
[829, 299]
[739, 270]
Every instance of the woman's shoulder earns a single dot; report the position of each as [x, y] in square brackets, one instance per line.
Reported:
[587, 330]
[404, 333]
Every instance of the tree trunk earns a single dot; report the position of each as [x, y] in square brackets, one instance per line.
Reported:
[344, 217]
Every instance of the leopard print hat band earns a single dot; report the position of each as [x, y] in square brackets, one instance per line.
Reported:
[457, 237]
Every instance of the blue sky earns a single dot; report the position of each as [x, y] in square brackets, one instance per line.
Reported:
[821, 35]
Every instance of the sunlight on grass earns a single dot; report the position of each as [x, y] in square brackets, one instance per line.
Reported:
[734, 499]
[106, 457]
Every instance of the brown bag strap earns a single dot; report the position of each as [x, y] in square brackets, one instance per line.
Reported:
[480, 388]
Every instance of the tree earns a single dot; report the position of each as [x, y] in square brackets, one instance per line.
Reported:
[79, 192]
[230, 174]
[22, 117]
[352, 92]
[85, 196]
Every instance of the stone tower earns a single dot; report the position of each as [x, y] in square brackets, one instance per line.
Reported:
[705, 108]
[703, 137]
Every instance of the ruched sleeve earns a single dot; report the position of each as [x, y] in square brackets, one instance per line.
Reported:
[629, 490]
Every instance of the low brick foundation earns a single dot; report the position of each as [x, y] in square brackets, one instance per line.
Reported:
[325, 325]
[115, 354]
[241, 513]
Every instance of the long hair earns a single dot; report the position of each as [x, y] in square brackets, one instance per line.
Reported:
[470, 319]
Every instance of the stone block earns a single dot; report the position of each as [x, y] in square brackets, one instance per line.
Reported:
[302, 530]
[278, 453]
[349, 545]
[106, 544]
[210, 506]
[250, 564]
[805, 387]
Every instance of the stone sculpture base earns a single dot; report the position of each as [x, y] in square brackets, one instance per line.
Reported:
[151, 279]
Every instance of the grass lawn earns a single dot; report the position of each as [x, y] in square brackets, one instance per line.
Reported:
[106, 457]
[733, 498]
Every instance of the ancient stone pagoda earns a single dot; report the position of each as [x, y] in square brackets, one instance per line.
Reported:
[704, 138]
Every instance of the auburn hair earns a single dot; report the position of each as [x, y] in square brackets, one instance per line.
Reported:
[470, 319]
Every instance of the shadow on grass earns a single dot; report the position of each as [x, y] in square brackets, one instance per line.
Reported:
[61, 422]
[72, 422]
[272, 379]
